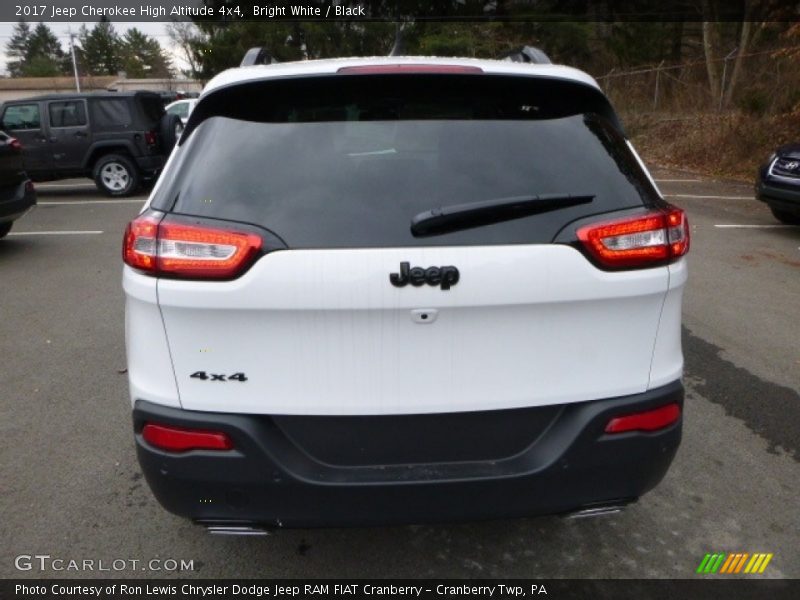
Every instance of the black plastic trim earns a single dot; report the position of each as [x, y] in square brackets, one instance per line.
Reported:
[17, 205]
[782, 198]
[267, 479]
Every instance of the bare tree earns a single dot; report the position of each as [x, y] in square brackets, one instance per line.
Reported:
[185, 35]
[748, 34]
[710, 45]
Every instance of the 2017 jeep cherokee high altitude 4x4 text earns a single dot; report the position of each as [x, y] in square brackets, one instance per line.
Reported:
[403, 290]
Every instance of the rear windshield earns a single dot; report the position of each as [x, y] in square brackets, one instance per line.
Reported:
[354, 172]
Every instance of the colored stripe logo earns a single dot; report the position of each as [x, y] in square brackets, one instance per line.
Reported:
[733, 563]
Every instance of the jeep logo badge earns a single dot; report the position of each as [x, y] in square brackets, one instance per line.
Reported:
[445, 277]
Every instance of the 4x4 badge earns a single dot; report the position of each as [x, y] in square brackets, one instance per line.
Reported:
[445, 277]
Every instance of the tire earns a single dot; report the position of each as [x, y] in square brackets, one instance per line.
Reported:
[171, 129]
[4, 229]
[116, 175]
[784, 216]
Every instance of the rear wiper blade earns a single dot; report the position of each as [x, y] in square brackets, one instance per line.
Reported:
[456, 217]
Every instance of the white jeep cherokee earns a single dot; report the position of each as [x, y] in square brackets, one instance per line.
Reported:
[403, 290]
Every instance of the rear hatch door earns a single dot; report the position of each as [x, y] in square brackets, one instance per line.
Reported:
[325, 326]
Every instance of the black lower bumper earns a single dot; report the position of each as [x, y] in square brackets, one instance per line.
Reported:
[16, 201]
[786, 198]
[276, 477]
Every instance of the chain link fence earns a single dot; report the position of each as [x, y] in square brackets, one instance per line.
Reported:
[768, 82]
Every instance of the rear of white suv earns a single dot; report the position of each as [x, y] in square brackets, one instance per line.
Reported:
[403, 290]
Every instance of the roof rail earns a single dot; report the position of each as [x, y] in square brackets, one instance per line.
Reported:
[527, 54]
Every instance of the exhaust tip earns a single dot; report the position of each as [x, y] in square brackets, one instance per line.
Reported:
[225, 530]
[599, 510]
[235, 529]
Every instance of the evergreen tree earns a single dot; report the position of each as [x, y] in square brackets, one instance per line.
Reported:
[100, 49]
[44, 57]
[17, 48]
[41, 66]
[142, 56]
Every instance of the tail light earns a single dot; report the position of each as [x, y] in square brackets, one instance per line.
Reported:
[187, 251]
[655, 238]
[29, 187]
[151, 138]
[650, 420]
[15, 144]
[178, 439]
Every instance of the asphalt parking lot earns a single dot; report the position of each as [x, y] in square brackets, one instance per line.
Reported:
[71, 486]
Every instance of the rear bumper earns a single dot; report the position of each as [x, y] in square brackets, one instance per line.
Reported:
[15, 203]
[269, 479]
[780, 197]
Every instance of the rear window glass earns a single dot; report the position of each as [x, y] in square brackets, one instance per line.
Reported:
[111, 113]
[354, 172]
[21, 116]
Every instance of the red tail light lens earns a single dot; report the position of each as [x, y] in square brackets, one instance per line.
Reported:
[188, 251]
[650, 420]
[15, 144]
[406, 68]
[677, 232]
[139, 244]
[642, 241]
[150, 138]
[177, 439]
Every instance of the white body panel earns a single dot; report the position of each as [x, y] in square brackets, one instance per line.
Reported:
[668, 355]
[150, 374]
[324, 332]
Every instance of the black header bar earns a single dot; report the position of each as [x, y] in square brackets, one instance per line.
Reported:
[398, 10]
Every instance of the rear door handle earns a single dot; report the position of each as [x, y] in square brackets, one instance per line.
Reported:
[81, 134]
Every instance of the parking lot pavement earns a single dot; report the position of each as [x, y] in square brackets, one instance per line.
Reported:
[71, 487]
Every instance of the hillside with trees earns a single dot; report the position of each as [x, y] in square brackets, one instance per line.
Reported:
[714, 85]
[35, 51]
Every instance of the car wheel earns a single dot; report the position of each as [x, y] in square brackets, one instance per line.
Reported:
[4, 229]
[785, 216]
[171, 129]
[116, 175]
